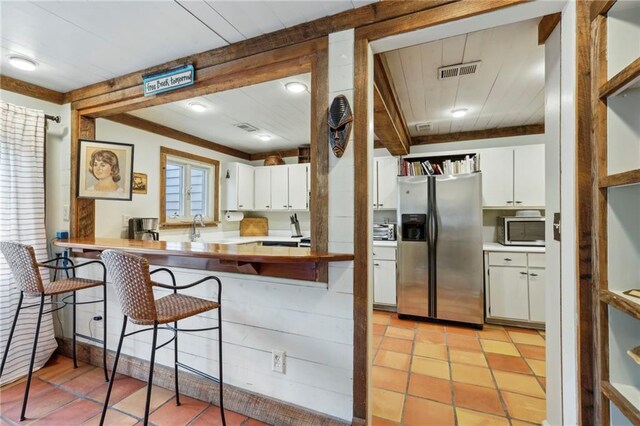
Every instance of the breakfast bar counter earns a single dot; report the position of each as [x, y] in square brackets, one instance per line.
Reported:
[252, 258]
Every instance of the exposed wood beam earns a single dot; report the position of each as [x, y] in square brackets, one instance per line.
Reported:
[389, 124]
[283, 154]
[27, 89]
[626, 78]
[601, 7]
[159, 129]
[546, 26]
[364, 15]
[503, 132]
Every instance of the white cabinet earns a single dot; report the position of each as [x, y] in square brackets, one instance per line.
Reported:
[282, 188]
[239, 186]
[513, 177]
[515, 283]
[385, 183]
[384, 276]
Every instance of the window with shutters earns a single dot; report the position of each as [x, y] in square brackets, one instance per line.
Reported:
[189, 186]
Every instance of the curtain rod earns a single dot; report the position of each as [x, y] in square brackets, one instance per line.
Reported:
[55, 118]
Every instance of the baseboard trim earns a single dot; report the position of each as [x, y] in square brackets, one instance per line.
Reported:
[259, 407]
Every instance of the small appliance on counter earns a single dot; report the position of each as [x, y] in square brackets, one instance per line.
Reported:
[305, 242]
[384, 231]
[526, 228]
[143, 228]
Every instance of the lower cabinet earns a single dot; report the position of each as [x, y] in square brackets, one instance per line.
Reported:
[384, 276]
[515, 284]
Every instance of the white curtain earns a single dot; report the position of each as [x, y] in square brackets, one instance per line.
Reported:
[22, 154]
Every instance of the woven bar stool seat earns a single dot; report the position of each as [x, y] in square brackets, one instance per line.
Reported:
[131, 278]
[25, 269]
[70, 284]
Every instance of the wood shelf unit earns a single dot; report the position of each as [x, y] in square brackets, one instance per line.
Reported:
[616, 211]
[631, 177]
[621, 302]
[626, 79]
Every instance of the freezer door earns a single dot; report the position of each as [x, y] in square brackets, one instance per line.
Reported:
[458, 248]
[412, 283]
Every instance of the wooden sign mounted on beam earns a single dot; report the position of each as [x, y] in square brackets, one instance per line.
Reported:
[163, 81]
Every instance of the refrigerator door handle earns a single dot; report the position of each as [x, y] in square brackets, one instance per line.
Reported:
[433, 231]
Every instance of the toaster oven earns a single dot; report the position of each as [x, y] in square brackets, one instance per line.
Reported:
[384, 232]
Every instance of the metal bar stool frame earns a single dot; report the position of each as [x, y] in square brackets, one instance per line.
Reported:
[174, 339]
[63, 304]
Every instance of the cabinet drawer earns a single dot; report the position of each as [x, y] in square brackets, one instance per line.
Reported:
[536, 260]
[507, 259]
[384, 253]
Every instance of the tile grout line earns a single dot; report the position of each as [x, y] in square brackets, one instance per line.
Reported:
[495, 382]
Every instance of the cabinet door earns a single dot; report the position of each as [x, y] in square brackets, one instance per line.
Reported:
[375, 183]
[298, 190]
[528, 179]
[384, 282]
[262, 188]
[387, 183]
[279, 188]
[508, 293]
[245, 187]
[536, 294]
[496, 165]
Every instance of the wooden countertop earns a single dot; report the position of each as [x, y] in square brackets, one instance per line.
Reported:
[227, 252]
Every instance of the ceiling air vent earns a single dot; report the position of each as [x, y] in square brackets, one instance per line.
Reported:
[246, 127]
[459, 70]
[423, 127]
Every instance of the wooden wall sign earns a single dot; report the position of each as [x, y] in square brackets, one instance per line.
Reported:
[164, 81]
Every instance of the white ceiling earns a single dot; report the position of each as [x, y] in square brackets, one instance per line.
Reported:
[77, 43]
[268, 106]
[508, 89]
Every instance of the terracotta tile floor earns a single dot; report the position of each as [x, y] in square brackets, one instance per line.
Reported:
[62, 395]
[432, 374]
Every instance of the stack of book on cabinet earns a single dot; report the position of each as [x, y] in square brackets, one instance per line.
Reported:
[440, 166]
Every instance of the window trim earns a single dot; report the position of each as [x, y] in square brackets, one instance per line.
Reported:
[169, 152]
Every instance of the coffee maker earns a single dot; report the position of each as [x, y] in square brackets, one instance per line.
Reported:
[143, 228]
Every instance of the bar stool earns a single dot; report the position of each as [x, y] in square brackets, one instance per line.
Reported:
[24, 266]
[131, 277]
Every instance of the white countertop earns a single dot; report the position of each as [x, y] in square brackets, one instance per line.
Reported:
[385, 243]
[512, 249]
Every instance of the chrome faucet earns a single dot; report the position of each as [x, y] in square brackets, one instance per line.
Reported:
[194, 234]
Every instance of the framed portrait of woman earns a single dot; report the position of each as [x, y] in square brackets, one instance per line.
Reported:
[105, 170]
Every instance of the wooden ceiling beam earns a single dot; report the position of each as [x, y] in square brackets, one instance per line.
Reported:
[159, 129]
[600, 7]
[502, 132]
[389, 124]
[369, 14]
[546, 27]
[34, 91]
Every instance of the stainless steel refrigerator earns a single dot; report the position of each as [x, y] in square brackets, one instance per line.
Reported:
[440, 271]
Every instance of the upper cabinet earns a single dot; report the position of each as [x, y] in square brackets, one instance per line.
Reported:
[385, 183]
[268, 188]
[513, 177]
[238, 181]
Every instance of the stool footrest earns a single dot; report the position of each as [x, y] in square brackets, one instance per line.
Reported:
[198, 372]
[93, 339]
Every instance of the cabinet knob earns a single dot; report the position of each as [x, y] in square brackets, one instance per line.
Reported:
[284, 205]
[523, 273]
[507, 259]
[510, 202]
[518, 202]
[534, 275]
[267, 206]
[380, 205]
[376, 264]
[289, 206]
[240, 205]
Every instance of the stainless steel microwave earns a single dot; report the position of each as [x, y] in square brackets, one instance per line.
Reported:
[521, 231]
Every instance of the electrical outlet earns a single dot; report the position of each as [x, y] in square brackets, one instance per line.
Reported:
[65, 212]
[278, 360]
[125, 220]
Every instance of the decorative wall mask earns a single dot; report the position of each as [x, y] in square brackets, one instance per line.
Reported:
[340, 122]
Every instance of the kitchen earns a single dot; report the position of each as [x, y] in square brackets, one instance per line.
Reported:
[298, 321]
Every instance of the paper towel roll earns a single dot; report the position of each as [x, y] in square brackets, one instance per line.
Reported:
[234, 216]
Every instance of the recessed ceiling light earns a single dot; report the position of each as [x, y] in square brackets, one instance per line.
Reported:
[460, 112]
[23, 63]
[264, 137]
[296, 87]
[197, 107]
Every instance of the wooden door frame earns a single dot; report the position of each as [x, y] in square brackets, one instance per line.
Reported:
[309, 56]
[362, 238]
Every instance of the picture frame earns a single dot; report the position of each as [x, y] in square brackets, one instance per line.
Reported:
[105, 170]
[139, 183]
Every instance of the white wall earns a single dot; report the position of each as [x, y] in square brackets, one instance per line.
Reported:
[58, 141]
